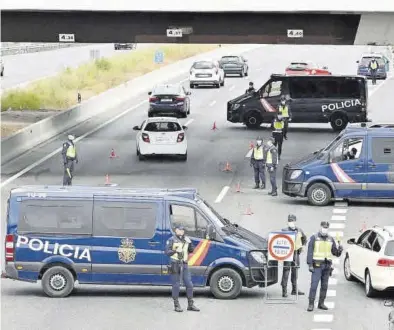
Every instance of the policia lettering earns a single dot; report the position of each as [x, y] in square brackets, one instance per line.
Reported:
[69, 154]
[64, 250]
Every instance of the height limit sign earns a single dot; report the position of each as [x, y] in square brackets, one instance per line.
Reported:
[281, 246]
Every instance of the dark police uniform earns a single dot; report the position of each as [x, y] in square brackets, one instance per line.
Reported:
[277, 134]
[373, 67]
[257, 161]
[285, 111]
[321, 249]
[179, 269]
[69, 154]
[271, 162]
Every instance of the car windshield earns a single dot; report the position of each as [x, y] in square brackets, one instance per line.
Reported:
[230, 59]
[203, 65]
[211, 212]
[298, 65]
[163, 126]
[166, 90]
[389, 249]
[332, 143]
[365, 60]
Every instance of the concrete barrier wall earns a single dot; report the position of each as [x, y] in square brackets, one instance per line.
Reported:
[38, 133]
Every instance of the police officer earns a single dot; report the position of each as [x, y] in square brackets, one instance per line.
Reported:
[257, 161]
[250, 89]
[285, 111]
[289, 266]
[271, 162]
[373, 68]
[178, 248]
[69, 154]
[321, 249]
[277, 133]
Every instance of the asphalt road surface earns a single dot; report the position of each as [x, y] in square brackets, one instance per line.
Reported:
[23, 68]
[24, 306]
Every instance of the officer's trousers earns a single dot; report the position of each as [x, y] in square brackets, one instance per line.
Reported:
[259, 172]
[278, 137]
[286, 127]
[293, 268]
[321, 273]
[181, 269]
[68, 172]
[272, 171]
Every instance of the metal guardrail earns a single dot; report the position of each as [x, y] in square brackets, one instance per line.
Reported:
[34, 48]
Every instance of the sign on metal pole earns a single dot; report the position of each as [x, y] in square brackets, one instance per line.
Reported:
[281, 246]
[64, 37]
[295, 33]
[174, 33]
[159, 57]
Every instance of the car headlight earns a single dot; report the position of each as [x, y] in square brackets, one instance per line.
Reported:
[235, 106]
[295, 174]
[259, 257]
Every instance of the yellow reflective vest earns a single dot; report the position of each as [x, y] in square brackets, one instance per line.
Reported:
[298, 241]
[258, 153]
[374, 65]
[322, 250]
[185, 250]
[284, 110]
[278, 125]
[71, 151]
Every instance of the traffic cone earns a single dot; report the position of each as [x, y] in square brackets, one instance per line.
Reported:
[107, 180]
[248, 211]
[363, 227]
[113, 154]
[227, 168]
[214, 127]
[251, 145]
[238, 188]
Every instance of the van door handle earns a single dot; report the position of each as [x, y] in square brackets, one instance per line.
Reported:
[152, 243]
[358, 166]
[372, 165]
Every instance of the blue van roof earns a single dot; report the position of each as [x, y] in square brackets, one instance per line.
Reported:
[371, 129]
[90, 191]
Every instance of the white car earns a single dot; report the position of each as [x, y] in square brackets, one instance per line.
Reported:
[161, 136]
[370, 259]
[206, 73]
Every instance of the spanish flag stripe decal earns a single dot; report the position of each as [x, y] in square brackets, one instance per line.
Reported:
[341, 174]
[197, 252]
[196, 249]
[203, 255]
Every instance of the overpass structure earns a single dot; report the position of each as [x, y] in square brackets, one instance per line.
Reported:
[204, 21]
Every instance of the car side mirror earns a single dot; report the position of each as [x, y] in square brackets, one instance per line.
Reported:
[184, 127]
[188, 93]
[136, 128]
[211, 232]
[351, 241]
[325, 67]
[149, 93]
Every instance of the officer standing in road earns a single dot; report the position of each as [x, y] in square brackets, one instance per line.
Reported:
[278, 126]
[178, 248]
[289, 266]
[373, 68]
[321, 249]
[271, 162]
[69, 154]
[285, 111]
[250, 89]
[257, 161]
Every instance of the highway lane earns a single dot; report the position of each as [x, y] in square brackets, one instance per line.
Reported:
[24, 68]
[208, 151]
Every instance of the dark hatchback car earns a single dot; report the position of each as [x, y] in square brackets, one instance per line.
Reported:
[234, 65]
[169, 100]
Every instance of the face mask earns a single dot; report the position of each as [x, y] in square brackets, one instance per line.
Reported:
[291, 224]
[279, 117]
[259, 142]
[283, 102]
[324, 231]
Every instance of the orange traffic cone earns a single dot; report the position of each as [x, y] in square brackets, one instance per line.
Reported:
[227, 168]
[107, 180]
[248, 211]
[214, 127]
[251, 145]
[363, 227]
[113, 154]
[238, 188]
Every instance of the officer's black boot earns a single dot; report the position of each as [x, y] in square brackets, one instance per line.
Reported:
[294, 292]
[257, 186]
[177, 306]
[274, 193]
[191, 306]
[311, 305]
[284, 292]
[262, 186]
[321, 305]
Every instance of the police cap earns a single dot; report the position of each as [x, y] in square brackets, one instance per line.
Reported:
[259, 138]
[325, 224]
[180, 227]
[291, 217]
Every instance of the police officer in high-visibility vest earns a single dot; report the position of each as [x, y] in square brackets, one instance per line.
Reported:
[373, 69]
[321, 249]
[277, 133]
[285, 111]
[271, 163]
[289, 266]
[69, 154]
[178, 249]
[257, 161]
[251, 89]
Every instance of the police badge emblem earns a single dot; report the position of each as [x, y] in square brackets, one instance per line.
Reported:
[127, 251]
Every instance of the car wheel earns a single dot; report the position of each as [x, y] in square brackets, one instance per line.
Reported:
[217, 85]
[247, 73]
[222, 83]
[226, 283]
[150, 114]
[183, 157]
[57, 282]
[253, 120]
[141, 157]
[192, 86]
[369, 290]
[338, 122]
[138, 151]
[188, 111]
[346, 270]
[319, 194]
[242, 74]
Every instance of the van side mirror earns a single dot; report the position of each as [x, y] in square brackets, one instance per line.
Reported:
[351, 241]
[136, 128]
[325, 67]
[211, 232]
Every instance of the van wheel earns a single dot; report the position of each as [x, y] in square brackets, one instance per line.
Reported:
[57, 282]
[369, 290]
[253, 120]
[319, 194]
[347, 271]
[339, 122]
[141, 157]
[226, 283]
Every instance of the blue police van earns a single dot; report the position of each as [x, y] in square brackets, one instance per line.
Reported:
[358, 164]
[110, 235]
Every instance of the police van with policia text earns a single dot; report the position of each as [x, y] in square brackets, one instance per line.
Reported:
[110, 235]
[335, 99]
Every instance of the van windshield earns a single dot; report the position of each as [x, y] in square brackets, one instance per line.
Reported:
[211, 212]
[332, 143]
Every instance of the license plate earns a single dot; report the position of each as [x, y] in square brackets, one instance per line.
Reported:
[166, 100]
[162, 139]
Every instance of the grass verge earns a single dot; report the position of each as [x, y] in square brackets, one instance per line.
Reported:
[60, 92]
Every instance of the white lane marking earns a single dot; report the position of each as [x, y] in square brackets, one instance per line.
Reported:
[336, 261]
[340, 204]
[326, 318]
[379, 86]
[331, 293]
[212, 103]
[337, 226]
[222, 194]
[340, 211]
[58, 150]
[321, 329]
[338, 218]
[335, 234]
[332, 281]
[188, 122]
[231, 88]
[249, 153]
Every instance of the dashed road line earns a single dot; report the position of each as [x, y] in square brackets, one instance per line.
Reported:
[329, 304]
[222, 194]
[212, 103]
[332, 281]
[336, 234]
[340, 204]
[338, 218]
[326, 318]
[340, 211]
[331, 293]
[337, 225]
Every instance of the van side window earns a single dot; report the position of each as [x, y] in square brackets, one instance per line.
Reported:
[348, 149]
[324, 88]
[303, 88]
[56, 217]
[377, 246]
[274, 88]
[194, 223]
[383, 150]
[124, 219]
